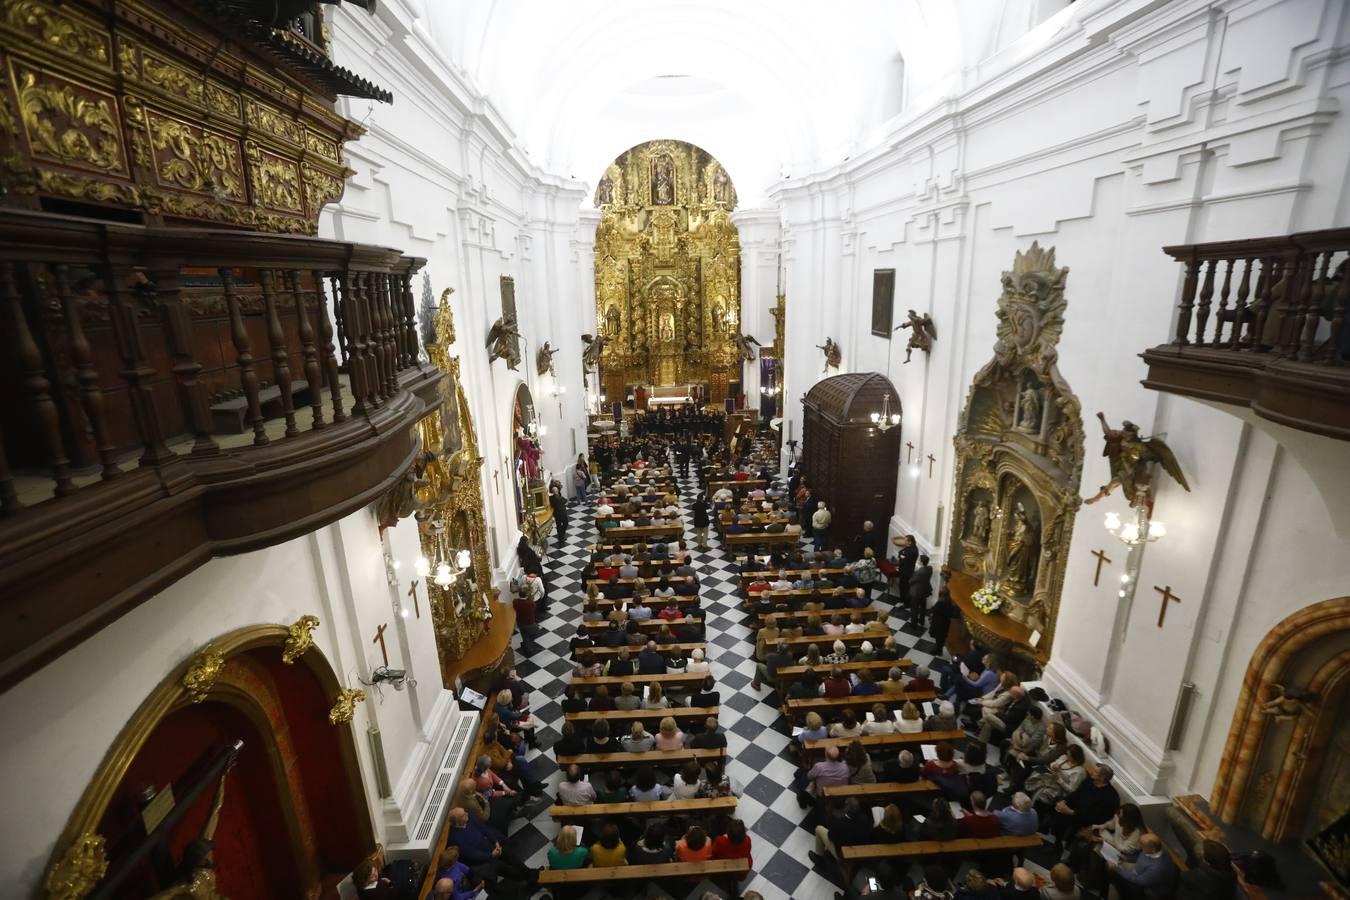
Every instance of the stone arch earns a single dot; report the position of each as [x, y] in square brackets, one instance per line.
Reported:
[1312, 646]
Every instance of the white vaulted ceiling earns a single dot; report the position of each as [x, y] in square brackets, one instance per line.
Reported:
[767, 86]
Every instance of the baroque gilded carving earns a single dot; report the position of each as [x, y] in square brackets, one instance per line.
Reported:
[74, 875]
[344, 705]
[195, 159]
[1019, 454]
[58, 29]
[68, 123]
[299, 638]
[667, 267]
[202, 674]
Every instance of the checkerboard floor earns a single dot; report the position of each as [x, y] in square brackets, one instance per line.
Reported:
[760, 767]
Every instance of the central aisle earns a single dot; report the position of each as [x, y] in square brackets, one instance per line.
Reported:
[760, 767]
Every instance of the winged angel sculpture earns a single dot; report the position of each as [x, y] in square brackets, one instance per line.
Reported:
[833, 355]
[501, 341]
[543, 360]
[923, 334]
[745, 346]
[1130, 457]
[590, 357]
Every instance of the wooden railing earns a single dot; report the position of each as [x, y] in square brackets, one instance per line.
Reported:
[1262, 323]
[149, 375]
[1284, 295]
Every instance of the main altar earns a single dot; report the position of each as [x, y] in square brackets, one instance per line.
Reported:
[1019, 460]
[667, 271]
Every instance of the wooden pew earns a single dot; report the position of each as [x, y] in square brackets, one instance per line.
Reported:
[756, 538]
[798, 617]
[737, 487]
[788, 674]
[882, 743]
[607, 653]
[652, 601]
[881, 793]
[646, 532]
[825, 641]
[923, 850]
[621, 720]
[707, 806]
[772, 574]
[666, 759]
[672, 680]
[654, 625]
[829, 708]
[725, 870]
[796, 600]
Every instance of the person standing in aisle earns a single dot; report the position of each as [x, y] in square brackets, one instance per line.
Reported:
[905, 560]
[701, 521]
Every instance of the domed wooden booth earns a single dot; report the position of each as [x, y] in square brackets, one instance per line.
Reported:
[850, 463]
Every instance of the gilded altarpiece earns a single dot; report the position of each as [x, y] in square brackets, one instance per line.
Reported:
[667, 269]
[444, 493]
[1019, 460]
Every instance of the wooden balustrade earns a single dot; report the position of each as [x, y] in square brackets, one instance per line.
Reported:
[138, 364]
[1262, 322]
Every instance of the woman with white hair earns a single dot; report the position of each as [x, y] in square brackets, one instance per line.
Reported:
[944, 719]
[866, 652]
[697, 663]
[838, 654]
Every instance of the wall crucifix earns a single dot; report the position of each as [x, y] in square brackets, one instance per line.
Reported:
[931, 460]
[909, 452]
[379, 639]
[1101, 558]
[1166, 596]
[412, 592]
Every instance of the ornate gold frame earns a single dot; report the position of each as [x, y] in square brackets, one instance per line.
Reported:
[201, 674]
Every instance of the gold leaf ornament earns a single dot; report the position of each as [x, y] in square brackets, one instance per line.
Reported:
[344, 706]
[300, 639]
[78, 870]
[56, 118]
[201, 676]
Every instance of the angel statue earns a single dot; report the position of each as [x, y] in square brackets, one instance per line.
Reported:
[1284, 704]
[543, 360]
[745, 345]
[1130, 456]
[501, 341]
[832, 353]
[922, 335]
[590, 357]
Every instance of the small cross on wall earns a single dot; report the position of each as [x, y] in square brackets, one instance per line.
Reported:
[1166, 596]
[1101, 558]
[412, 592]
[931, 460]
[379, 639]
[909, 452]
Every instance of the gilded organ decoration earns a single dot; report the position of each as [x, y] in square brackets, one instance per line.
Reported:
[69, 123]
[667, 269]
[195, 159]
[1019, 459]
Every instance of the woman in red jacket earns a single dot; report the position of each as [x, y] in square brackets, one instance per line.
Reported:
[735, 844]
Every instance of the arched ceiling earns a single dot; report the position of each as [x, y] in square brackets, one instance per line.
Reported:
[767, 86]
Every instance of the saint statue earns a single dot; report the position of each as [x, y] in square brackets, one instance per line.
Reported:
[663, 181]
[721, 186]
[667, 328]
[604, 195]
[612, 320]
[979, 527]
[1030, 421]
[1021, 565]
[529, 454]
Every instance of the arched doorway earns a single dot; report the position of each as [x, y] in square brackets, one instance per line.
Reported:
[289, 810]
[667, 274]
[1285, 770]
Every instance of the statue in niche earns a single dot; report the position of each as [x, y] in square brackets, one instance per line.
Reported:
[667, 328]
[1030, 420]
[529, 454]
[1021, 565]
[1130, 457]
[719, 316]
[604, 194]
[612, 322]
[979, 522]
[1284, 705]
[663, 181]
[721, 186]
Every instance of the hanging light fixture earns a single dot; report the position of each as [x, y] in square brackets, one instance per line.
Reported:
[445, 563]
[885, 420]
[1138, 528]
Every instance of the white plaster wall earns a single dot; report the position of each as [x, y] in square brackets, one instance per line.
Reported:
[1108, 131]
[73, 709]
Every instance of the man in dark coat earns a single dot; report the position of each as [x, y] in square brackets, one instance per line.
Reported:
[559, 504]
[905, 560]
[941, 622]
[920, 589]
[1094, 802]
[701, 521]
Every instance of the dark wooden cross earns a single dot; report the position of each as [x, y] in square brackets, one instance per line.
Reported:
[379, 639]
[909, 452]
[412, 592]
[1166, 596]
[931, 460]
[1101, 558]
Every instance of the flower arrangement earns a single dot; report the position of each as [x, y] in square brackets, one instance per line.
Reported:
[988, 599]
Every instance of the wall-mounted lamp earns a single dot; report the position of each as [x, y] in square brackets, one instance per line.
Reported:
[391, 569]
[1138, 528]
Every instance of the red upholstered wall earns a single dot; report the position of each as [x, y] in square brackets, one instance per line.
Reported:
[252, 848]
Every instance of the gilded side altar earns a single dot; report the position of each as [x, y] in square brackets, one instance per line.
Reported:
[667, 269]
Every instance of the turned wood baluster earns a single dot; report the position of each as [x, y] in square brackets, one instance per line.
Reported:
[1313, 304]
[326, 349]
[1223, 303]
[1338, 313]
[1297, 284]
[310, 353]
[1206, 295]
[370, 322]
[340, 314]
[393, 352]
[410, 320]
[247, 376]
[276, 338]
[1187, 303]
[35, 379]
[348, 300]
[1240, 305]
[177, 321]
[9, 499]
[1270, 274]
[91, 397]
[375, 310]
[136, 371]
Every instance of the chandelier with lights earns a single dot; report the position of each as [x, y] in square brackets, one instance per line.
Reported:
[885, 420]
[446, 563]
[1137, 528]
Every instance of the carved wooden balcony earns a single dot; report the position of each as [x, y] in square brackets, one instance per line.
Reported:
[1262, 323]
[171, 394]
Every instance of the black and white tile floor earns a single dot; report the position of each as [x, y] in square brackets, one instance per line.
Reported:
[760, 767]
